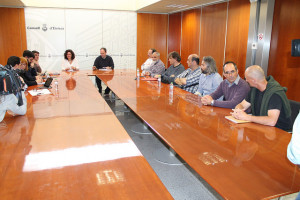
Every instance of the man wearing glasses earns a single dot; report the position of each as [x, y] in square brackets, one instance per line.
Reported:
[233, 89]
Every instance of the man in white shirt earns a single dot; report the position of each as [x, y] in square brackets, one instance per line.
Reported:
[146, 66]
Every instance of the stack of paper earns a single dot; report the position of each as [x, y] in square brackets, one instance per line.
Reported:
[39, 92]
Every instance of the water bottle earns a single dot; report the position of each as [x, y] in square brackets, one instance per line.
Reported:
[56, 84]
[159, 81]
[171, 93]
[171, 86]
[138, 73]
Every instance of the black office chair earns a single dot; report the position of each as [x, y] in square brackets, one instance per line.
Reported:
[295, 107]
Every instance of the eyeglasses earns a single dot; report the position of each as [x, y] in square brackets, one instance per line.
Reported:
[229, 72]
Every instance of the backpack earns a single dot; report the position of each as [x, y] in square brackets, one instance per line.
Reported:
[10, 83]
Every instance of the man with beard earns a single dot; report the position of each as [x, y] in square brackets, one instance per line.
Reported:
[210, 79]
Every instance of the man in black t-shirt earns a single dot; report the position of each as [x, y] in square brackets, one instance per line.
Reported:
[103, 62]
[268, 101]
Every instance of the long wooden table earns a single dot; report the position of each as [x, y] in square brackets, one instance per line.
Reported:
[240, 161]
[70, 145]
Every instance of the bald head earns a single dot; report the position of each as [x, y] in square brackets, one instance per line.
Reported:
[255, 72]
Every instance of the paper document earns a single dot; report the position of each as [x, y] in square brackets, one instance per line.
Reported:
[231, 118]
[39, 92]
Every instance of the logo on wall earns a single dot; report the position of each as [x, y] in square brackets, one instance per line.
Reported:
[44, 27]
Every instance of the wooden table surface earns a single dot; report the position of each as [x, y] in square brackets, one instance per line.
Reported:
[70, 145]
[240, 161]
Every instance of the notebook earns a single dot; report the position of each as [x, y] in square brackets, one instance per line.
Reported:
[231, 118]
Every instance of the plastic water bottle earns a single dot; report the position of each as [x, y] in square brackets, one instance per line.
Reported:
[171, 86]
[138, 73]
[159, 81]
[56, 84]
[171, 93]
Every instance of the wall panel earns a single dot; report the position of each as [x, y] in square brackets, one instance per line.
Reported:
[213, 27]
[237, 33]
[12, 33]
[174, 35]
[190, 34]
[151, 33]
[286, 27]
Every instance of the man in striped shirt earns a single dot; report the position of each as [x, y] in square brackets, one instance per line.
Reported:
[189, 79]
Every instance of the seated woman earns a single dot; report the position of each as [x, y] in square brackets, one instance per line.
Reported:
[29, 80]
[69, 63]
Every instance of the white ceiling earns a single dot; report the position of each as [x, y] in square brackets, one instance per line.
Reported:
[151, 6]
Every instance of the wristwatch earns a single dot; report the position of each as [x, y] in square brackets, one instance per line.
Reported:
[212, 102]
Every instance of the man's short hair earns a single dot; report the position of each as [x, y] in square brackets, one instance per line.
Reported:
[153, 50]
[13, 61]
[103, 49]
[157, 53]
[34, 51]
[211, 64]
[255, 72]
[195, 58]
[175, 56]
[28, 54]
[228, 62]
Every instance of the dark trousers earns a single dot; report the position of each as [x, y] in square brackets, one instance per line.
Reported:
[98, 81]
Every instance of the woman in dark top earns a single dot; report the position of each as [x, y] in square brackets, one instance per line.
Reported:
[28, 79]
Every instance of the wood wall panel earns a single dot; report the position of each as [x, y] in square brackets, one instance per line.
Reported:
[151, 33]
[174, 35]
[190, 34]
[12, 33]
[237, 33]
[286, 27]
[213, 27]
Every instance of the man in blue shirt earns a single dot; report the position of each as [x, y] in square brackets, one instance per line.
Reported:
[210, 79]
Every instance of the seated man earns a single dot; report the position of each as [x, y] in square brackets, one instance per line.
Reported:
[12, 102]
[157, 67]
[103, 61]
[146, 66]
[268, 101]
[210, 79]
[189, 79]
[35, 62]
[175, 69]
[30, 56]
[233, 88]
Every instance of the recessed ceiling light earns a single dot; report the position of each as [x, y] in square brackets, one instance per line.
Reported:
[176, 6]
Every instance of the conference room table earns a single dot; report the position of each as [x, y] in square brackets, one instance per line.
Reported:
[240, 161]
[70, 145]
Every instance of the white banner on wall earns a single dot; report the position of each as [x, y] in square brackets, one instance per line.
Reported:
[52, 31]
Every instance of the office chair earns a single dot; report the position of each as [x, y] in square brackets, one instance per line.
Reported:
[295, 107]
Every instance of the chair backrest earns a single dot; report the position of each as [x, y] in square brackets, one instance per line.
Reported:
[295, 107]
